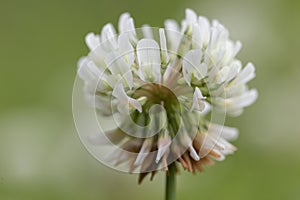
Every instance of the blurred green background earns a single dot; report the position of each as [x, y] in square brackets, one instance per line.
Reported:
[41, 156]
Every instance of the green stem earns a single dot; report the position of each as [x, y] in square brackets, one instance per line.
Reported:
[171, 182]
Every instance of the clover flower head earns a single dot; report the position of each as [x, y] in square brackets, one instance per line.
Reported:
[162, 87]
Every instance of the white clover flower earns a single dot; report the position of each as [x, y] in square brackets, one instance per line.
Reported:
[161, 86]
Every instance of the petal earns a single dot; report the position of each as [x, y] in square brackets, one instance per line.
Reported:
[163, 144]
[234, 70]
[190, 16]
[144, 152]
[92, 41]
[235, 105]
[247, 74]
[126, 25]
[191, 65]
[125, 101]
[117, 65]
[109, 37]
[187, 23]
[207, 108]
[245, 99]
[130, 26]
[163, 44]
[135, 104]
[100, 102]
[193, 153]
[119, 93]
[173, 35]
[87, 70]
[196, 37]
[198, 103]
[223, 74]
[148, 56]
[237, 48]
[147, 31]
[219, 35]
[123, 22]
[126, 49]
[204, 30]
[220, 156]
[228, 133]
[211, 142]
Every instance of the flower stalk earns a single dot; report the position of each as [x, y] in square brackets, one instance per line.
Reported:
[171, 182]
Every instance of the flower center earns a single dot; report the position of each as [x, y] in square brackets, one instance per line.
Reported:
[158, 94]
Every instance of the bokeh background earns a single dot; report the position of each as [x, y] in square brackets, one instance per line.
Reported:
[41, 156]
